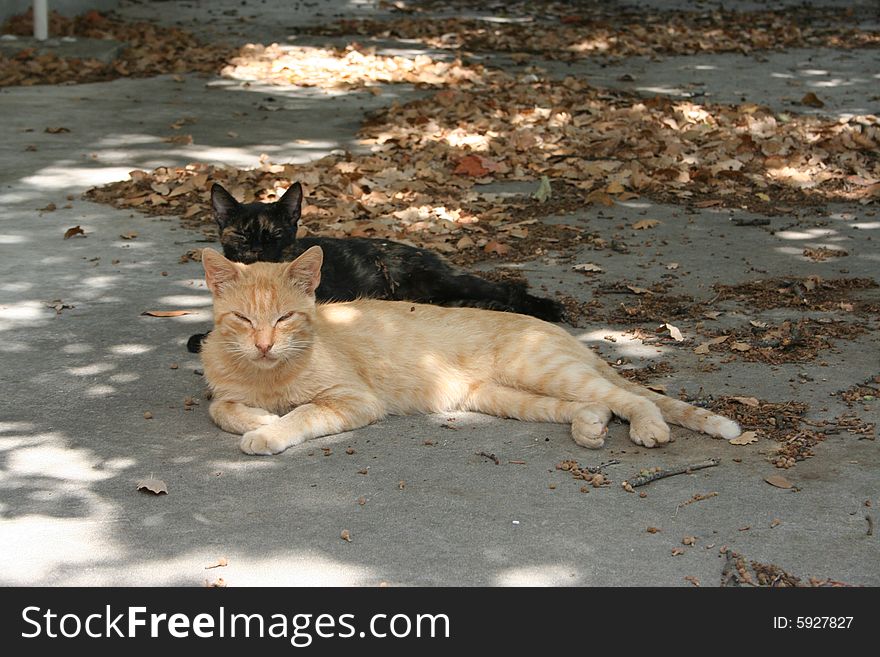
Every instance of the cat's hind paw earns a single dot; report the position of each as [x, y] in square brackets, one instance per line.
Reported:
[263, 441]
[649, 432]
[720, 427]
[589, 427]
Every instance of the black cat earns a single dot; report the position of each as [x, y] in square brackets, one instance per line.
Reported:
[361, 267]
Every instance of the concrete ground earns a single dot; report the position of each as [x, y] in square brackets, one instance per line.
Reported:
[81, 366]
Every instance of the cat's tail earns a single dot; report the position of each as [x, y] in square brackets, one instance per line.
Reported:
[549, 310]
[674, 410]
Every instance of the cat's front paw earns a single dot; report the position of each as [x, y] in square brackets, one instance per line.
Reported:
[649, 432]
[263, 441]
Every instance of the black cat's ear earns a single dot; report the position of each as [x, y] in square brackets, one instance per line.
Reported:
[291, 203]
[305, 271]
[219, 271]
[223, 203]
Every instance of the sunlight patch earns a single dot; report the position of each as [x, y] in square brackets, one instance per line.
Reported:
[550, 575]
[130, 349]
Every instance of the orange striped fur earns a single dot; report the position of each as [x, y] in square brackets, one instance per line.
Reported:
[284, 370]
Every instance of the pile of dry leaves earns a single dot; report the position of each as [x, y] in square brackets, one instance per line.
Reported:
[625, 34]
[737, 572]
[789, 342]
[869, 391]
[345, 197]
[784, 423]
[811, 293]
[427, 156]
[150, 50]
[613, 145]
[351, 67]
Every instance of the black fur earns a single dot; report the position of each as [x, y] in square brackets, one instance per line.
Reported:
[361, 267]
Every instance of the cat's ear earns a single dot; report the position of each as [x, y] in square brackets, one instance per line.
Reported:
[305, 271]
[218, 270]
[223, 203]
[291, 203]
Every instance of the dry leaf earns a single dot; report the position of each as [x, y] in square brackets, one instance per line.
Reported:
[183, 140]
[49, 208]
[588, 267]
[674, 332]
[693, 580]
[672, 266]
[645, 224]
[812, 100]
[58, 305]
[76, 230]
[361, 500]
[779, 481]
[702, 349]
[598, 196]
[653, 530]
[822, 253]
[638, 290]
[129, 235]
[476, 166]
[345, 535]
[747, 401]
[219, 583]
[689, 540]
[614, 188]
[56, 131]
[757, 324]
[775, 523]
[153, 485]
[677, 551]
[221, 562]
[740, 346]
[166, 313]
[745, 438]
[496, 247]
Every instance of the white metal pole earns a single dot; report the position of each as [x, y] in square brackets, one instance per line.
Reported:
[41, 20]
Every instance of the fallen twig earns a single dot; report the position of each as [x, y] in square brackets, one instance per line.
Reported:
[598, 468]
[517, 462]
[696, 498]
[870, 524]
[489, 456]
[641, 480]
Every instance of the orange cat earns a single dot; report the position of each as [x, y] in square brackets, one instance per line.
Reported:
[284, 370]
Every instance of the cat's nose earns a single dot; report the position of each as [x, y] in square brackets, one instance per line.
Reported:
[264, 347]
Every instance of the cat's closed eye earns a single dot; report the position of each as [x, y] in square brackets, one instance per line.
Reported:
[291, 315]
[243, 318]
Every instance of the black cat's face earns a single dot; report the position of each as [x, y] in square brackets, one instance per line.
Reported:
[251, 232]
